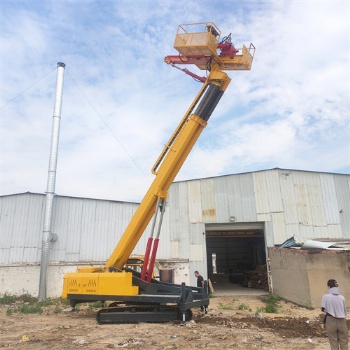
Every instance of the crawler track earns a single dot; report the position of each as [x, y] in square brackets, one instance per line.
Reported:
[141, 313]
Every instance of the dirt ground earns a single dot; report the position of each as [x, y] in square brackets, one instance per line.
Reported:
[231, 323]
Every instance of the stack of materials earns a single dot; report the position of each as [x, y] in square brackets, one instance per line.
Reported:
[257, 278]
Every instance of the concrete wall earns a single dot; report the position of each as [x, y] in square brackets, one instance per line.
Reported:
[24, 279]
[181, 270]
[18, 279]
[301, 276]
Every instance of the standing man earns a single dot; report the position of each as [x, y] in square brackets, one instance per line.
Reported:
[200, 279]
[333, 304]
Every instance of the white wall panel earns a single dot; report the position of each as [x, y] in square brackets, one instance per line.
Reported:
[197, 233]
[221, 199]
[279, 228]
[343, 195]
[306, 232]
[264, 217]
[329, 197]
[310, 206]
[289, 195]
[20, 227]
[194, 201]
[241, 197]
[174, 252]
[34, 228]
[274, 191]
[269, 234]
[209, 207]
[60, 227]
[334, 231]
[178, 211]
[261, 193]
[321, 232]
[315, 200]
[292, 230]
[197, 252]
[91, 233]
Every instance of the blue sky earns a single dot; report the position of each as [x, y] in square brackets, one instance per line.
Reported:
[290, 111]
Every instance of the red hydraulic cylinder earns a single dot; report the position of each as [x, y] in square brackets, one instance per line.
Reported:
[146, 258]
[153, 259]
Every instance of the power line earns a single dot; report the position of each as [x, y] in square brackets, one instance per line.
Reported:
[108, 127]
[29, 87]
[92, 106]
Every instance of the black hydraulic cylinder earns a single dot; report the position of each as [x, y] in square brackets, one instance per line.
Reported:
[208, 102]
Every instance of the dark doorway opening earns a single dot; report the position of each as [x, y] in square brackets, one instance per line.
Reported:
[234, 256]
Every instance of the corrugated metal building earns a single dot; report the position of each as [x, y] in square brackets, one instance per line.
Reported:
[222, 223]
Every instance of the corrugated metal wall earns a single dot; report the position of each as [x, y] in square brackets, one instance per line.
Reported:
[308, 205]
[21, 217]
[87, 229]
[288, 202]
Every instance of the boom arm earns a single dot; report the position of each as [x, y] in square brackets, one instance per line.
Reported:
[199, 46]
[170, 162]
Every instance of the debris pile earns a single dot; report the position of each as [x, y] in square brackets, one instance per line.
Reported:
[257, 278]
[324, 244]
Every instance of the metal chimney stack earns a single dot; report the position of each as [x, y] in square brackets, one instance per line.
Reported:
[47, 235]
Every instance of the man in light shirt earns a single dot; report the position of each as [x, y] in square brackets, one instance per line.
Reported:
[333, 304]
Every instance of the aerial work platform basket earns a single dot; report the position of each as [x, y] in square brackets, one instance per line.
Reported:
[199, 44]
[199, 39]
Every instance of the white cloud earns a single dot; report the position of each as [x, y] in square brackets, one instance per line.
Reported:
[290, 110]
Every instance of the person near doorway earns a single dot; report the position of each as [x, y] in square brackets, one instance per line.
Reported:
[200, 279]
[333, 304]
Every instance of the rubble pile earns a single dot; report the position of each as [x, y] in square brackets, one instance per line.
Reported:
[256, 279]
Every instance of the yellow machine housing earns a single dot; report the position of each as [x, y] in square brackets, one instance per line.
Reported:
[86, 282]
